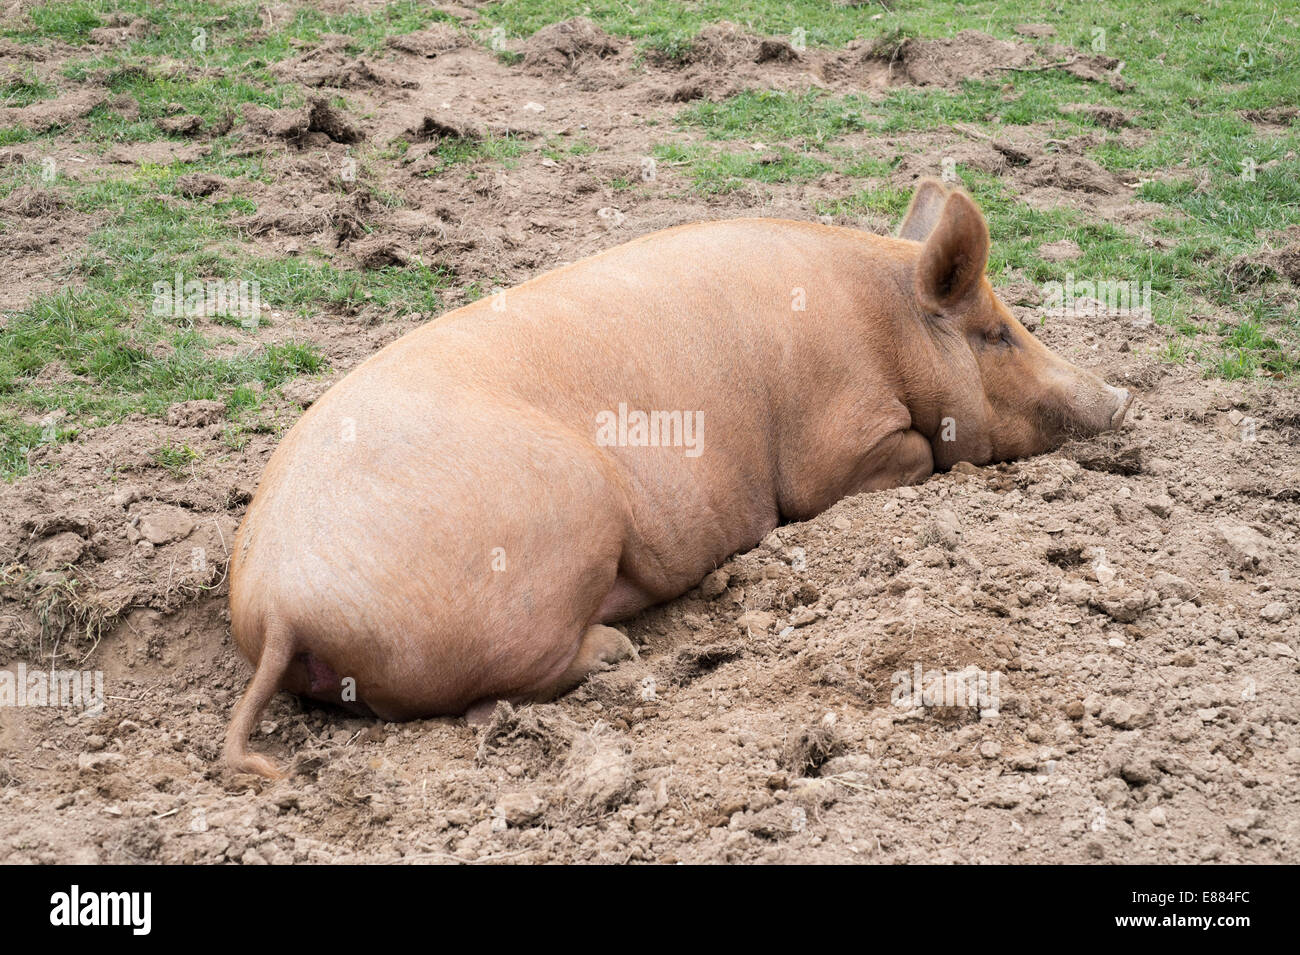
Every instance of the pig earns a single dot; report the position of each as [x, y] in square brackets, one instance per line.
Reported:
[460, 519]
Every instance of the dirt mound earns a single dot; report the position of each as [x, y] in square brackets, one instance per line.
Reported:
[120, 29]
[317, 123]
[431, 42]
[197, 185]
[342, 216]
[1267, 265]
[31, 202]
[347, 73]
[726, 45]
[1111, 117]
[568, 47]
[1093, 67]
[329, 64]
[1075, 173]
[970, 55]
[51, 114]
[432, 128]
[987, 156]
[722, 44]
[32, 52]
[380, 251]
[895, 60]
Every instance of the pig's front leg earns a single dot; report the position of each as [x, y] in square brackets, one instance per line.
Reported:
[904, 457]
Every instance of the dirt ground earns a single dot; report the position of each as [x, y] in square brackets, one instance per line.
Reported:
[1137, 594]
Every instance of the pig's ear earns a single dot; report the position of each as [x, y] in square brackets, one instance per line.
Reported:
[923, 211]
[954, 255]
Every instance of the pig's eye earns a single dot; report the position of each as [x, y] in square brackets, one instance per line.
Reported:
[999, 336]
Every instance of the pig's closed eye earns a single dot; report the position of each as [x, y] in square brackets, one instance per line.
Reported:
[1000, 336]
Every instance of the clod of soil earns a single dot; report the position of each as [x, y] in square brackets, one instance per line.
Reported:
[567, 46]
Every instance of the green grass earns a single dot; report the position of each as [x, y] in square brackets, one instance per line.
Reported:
[221, 32]
[175, 458]
[124, 356]
[769, 116]
[1189, 81]
[720, 171]
[451, 152]
[668, 27]
[882, 200]
[23, 89]
[206, 56]
[1188, 93]
[71, 22]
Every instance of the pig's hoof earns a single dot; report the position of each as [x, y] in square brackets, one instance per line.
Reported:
[602, 647]
[257, 764]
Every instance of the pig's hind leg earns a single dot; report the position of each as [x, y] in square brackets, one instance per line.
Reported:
[601, 648]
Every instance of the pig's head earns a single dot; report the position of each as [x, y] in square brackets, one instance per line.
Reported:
[980, 385]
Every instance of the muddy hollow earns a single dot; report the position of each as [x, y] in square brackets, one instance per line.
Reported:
[1124, 610]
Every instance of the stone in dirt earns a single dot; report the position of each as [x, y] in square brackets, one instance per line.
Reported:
[598, 775]
[519, 809]
[1275, 612]
[757, 621]
[1123, 714]
[162, 526]
[1247, 549]
[62, 549]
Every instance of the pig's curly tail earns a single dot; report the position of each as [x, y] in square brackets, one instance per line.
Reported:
[277, 653]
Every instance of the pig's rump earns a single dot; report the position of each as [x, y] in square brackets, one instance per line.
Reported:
[432, 569]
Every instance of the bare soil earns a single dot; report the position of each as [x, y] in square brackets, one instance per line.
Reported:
[1137, 594]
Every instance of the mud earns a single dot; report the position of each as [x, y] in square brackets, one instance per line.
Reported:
[1136, 595]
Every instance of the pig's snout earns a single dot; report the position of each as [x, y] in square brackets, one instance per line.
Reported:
[1123, 400]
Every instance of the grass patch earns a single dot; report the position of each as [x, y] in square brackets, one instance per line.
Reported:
[451, 152]
[23, 89]
[1229, 187]
[174, 458]
[770, 116]
[716, 172]
[117, 354]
